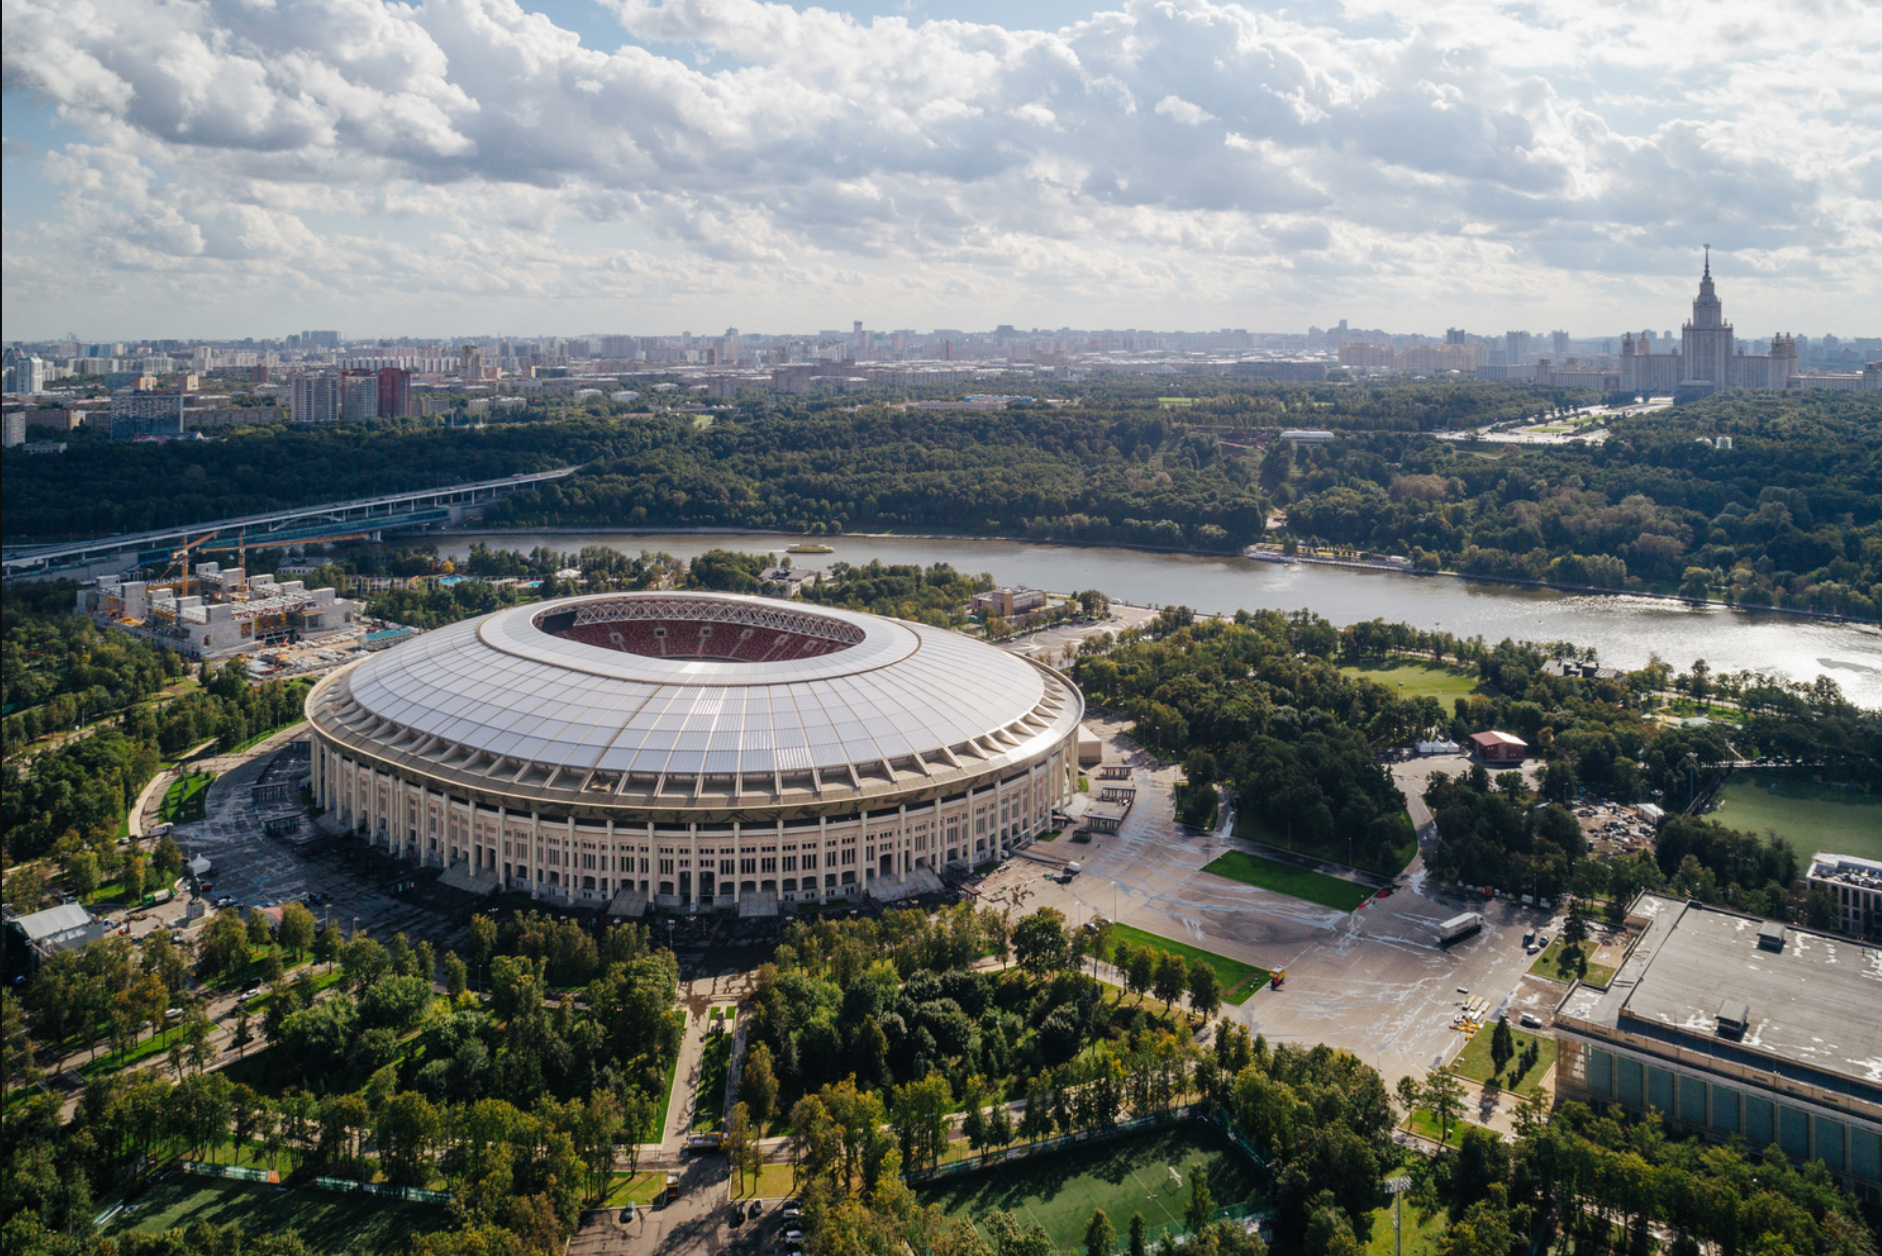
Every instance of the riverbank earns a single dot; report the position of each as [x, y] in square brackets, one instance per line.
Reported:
[1301, 559]
[1626, 629]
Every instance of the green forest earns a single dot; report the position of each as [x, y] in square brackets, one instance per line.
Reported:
[1790, 515]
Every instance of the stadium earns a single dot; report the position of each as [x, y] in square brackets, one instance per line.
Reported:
[694, 750]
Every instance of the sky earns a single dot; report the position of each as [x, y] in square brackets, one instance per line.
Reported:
[230, 168]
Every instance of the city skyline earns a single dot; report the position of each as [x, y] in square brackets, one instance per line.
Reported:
[568, 167]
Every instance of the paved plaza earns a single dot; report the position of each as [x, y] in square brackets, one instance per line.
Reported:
[1374, 981]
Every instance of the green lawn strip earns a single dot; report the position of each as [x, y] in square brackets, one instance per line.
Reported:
[139, 1053]
[1269, 874]
[1814, 817]
[1549, 964]
[323, 981]
[184, 800]
[1236, 979]
[1390, 865]
[258, 738]
[715, 1068]
[1420, 680]
[659, 1132]
[1474, 1060]
[327, 1221]
[1130, 1174]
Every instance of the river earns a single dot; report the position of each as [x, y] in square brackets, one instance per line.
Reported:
[1627, 631]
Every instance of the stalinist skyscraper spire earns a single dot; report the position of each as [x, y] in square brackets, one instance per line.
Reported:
[1706, 341]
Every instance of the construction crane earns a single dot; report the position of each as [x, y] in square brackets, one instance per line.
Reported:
[179, 572]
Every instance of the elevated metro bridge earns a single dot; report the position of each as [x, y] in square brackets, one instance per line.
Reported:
[309, 524]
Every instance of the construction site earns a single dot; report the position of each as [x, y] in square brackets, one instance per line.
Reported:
[210, 613]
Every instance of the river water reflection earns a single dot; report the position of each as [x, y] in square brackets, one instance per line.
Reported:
[1626, 630]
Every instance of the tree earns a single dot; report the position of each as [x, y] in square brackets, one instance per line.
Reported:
[1141, 972]
[407, 1127]
[1100, 1234]
[999, 1125]
[1502, 1044]
[1205, 992]
[1409, 1093]
[919, 1117]
[260, 928]
[1483, 1230]
[224, 948]
[1039, 942]
[1139, 1245]
[1575, 928]
[758, 1085]
[1172, 978]
[1444, 1099]
[973, 1115]
[1330, 1230]
[1201, 1210]
[81, 874]
[740, 1142]
[297, 929]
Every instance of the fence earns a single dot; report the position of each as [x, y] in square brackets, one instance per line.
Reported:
[1162, 1237]
[239, 1172]
[348, 1186]
[1044, 1145]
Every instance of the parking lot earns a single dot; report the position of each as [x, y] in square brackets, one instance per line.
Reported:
[340, 882]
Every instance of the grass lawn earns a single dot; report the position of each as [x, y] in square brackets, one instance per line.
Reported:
[1390, 865]
[635, 1188]
[1549, 964]
[1425, 1125]
[326, 1220]
[1125, 1175]
[715, 1068]
[1237, 980]
[1474, 1060]
[1269, 874]
[1419, 680]
[185, 798]
[1814, 817]
[773, 1182]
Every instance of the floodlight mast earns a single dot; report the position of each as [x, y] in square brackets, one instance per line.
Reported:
[1396, 1188]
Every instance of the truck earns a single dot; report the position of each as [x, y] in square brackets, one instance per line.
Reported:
[1459, 927]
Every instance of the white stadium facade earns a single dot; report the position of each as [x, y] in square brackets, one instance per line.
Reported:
[694, 750]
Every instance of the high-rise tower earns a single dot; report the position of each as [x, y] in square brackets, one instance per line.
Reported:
[1706, 341]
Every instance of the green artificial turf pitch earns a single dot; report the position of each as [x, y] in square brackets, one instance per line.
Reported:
[327, 1221]
[1059, 1189]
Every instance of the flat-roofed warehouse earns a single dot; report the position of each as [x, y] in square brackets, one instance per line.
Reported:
[697, 750]
[1727, 1025]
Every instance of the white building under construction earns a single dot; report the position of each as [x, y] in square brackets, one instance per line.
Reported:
[215, 613]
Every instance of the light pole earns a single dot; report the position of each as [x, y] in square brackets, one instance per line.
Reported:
[1396, 1187]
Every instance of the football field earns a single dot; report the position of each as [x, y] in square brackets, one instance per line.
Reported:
[1148, 1172]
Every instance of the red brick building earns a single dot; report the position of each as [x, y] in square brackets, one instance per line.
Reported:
[1495, 747]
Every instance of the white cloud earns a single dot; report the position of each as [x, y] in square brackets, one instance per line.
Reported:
[748, 161]
[1183, 111]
